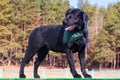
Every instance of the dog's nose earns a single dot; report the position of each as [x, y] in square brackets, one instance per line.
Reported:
[64, 21]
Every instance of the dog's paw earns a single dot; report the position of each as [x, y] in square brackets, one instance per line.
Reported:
[87, 76]
[77, 76]
[22, 76]
[36, 76]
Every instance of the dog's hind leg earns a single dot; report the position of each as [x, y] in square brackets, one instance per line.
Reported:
[28, 55]
[35, 42]
[43, 51]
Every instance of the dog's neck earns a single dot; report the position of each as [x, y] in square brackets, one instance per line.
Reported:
[71, 36]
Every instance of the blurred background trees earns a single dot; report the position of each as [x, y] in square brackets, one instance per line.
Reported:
[19, 17]
[104, 31]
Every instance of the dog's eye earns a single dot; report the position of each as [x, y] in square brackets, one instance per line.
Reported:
[76, 18]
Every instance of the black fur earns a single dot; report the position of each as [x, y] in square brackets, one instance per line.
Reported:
[47, 38]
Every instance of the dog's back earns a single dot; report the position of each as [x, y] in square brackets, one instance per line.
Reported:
[52, 36]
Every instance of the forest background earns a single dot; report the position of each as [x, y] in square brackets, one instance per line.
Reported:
[19, 17]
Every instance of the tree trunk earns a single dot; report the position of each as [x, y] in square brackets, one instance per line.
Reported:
[9, 62]
[114, 62]
[3, 23]
[24, 29]
[100, 65]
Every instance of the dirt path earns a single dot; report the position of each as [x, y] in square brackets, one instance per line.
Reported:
[13, 71]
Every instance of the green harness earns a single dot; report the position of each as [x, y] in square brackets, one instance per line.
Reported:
[71, 36]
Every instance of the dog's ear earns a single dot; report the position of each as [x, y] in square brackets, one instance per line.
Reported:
[85, 17]
[85, 20]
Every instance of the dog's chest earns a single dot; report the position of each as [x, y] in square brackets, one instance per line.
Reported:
[75, 46]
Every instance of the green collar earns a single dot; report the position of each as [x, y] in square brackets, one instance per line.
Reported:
[71, 36]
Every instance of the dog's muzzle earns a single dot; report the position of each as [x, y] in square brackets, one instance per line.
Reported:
[71, 24]
[70, 28]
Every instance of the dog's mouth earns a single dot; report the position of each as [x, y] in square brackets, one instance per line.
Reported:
[70, 27]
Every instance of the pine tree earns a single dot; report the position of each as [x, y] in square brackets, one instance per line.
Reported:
[18, 18]
[52, 11]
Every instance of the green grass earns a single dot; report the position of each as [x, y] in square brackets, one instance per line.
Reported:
[61, 79]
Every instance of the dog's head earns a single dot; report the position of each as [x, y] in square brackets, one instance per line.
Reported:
[75, 19]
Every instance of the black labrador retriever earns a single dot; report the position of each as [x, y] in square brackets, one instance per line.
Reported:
[47, 38]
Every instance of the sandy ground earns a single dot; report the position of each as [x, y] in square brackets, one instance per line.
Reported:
[13, 72]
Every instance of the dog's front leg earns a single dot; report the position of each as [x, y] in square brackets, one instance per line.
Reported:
[81, 55]
[71, 63]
